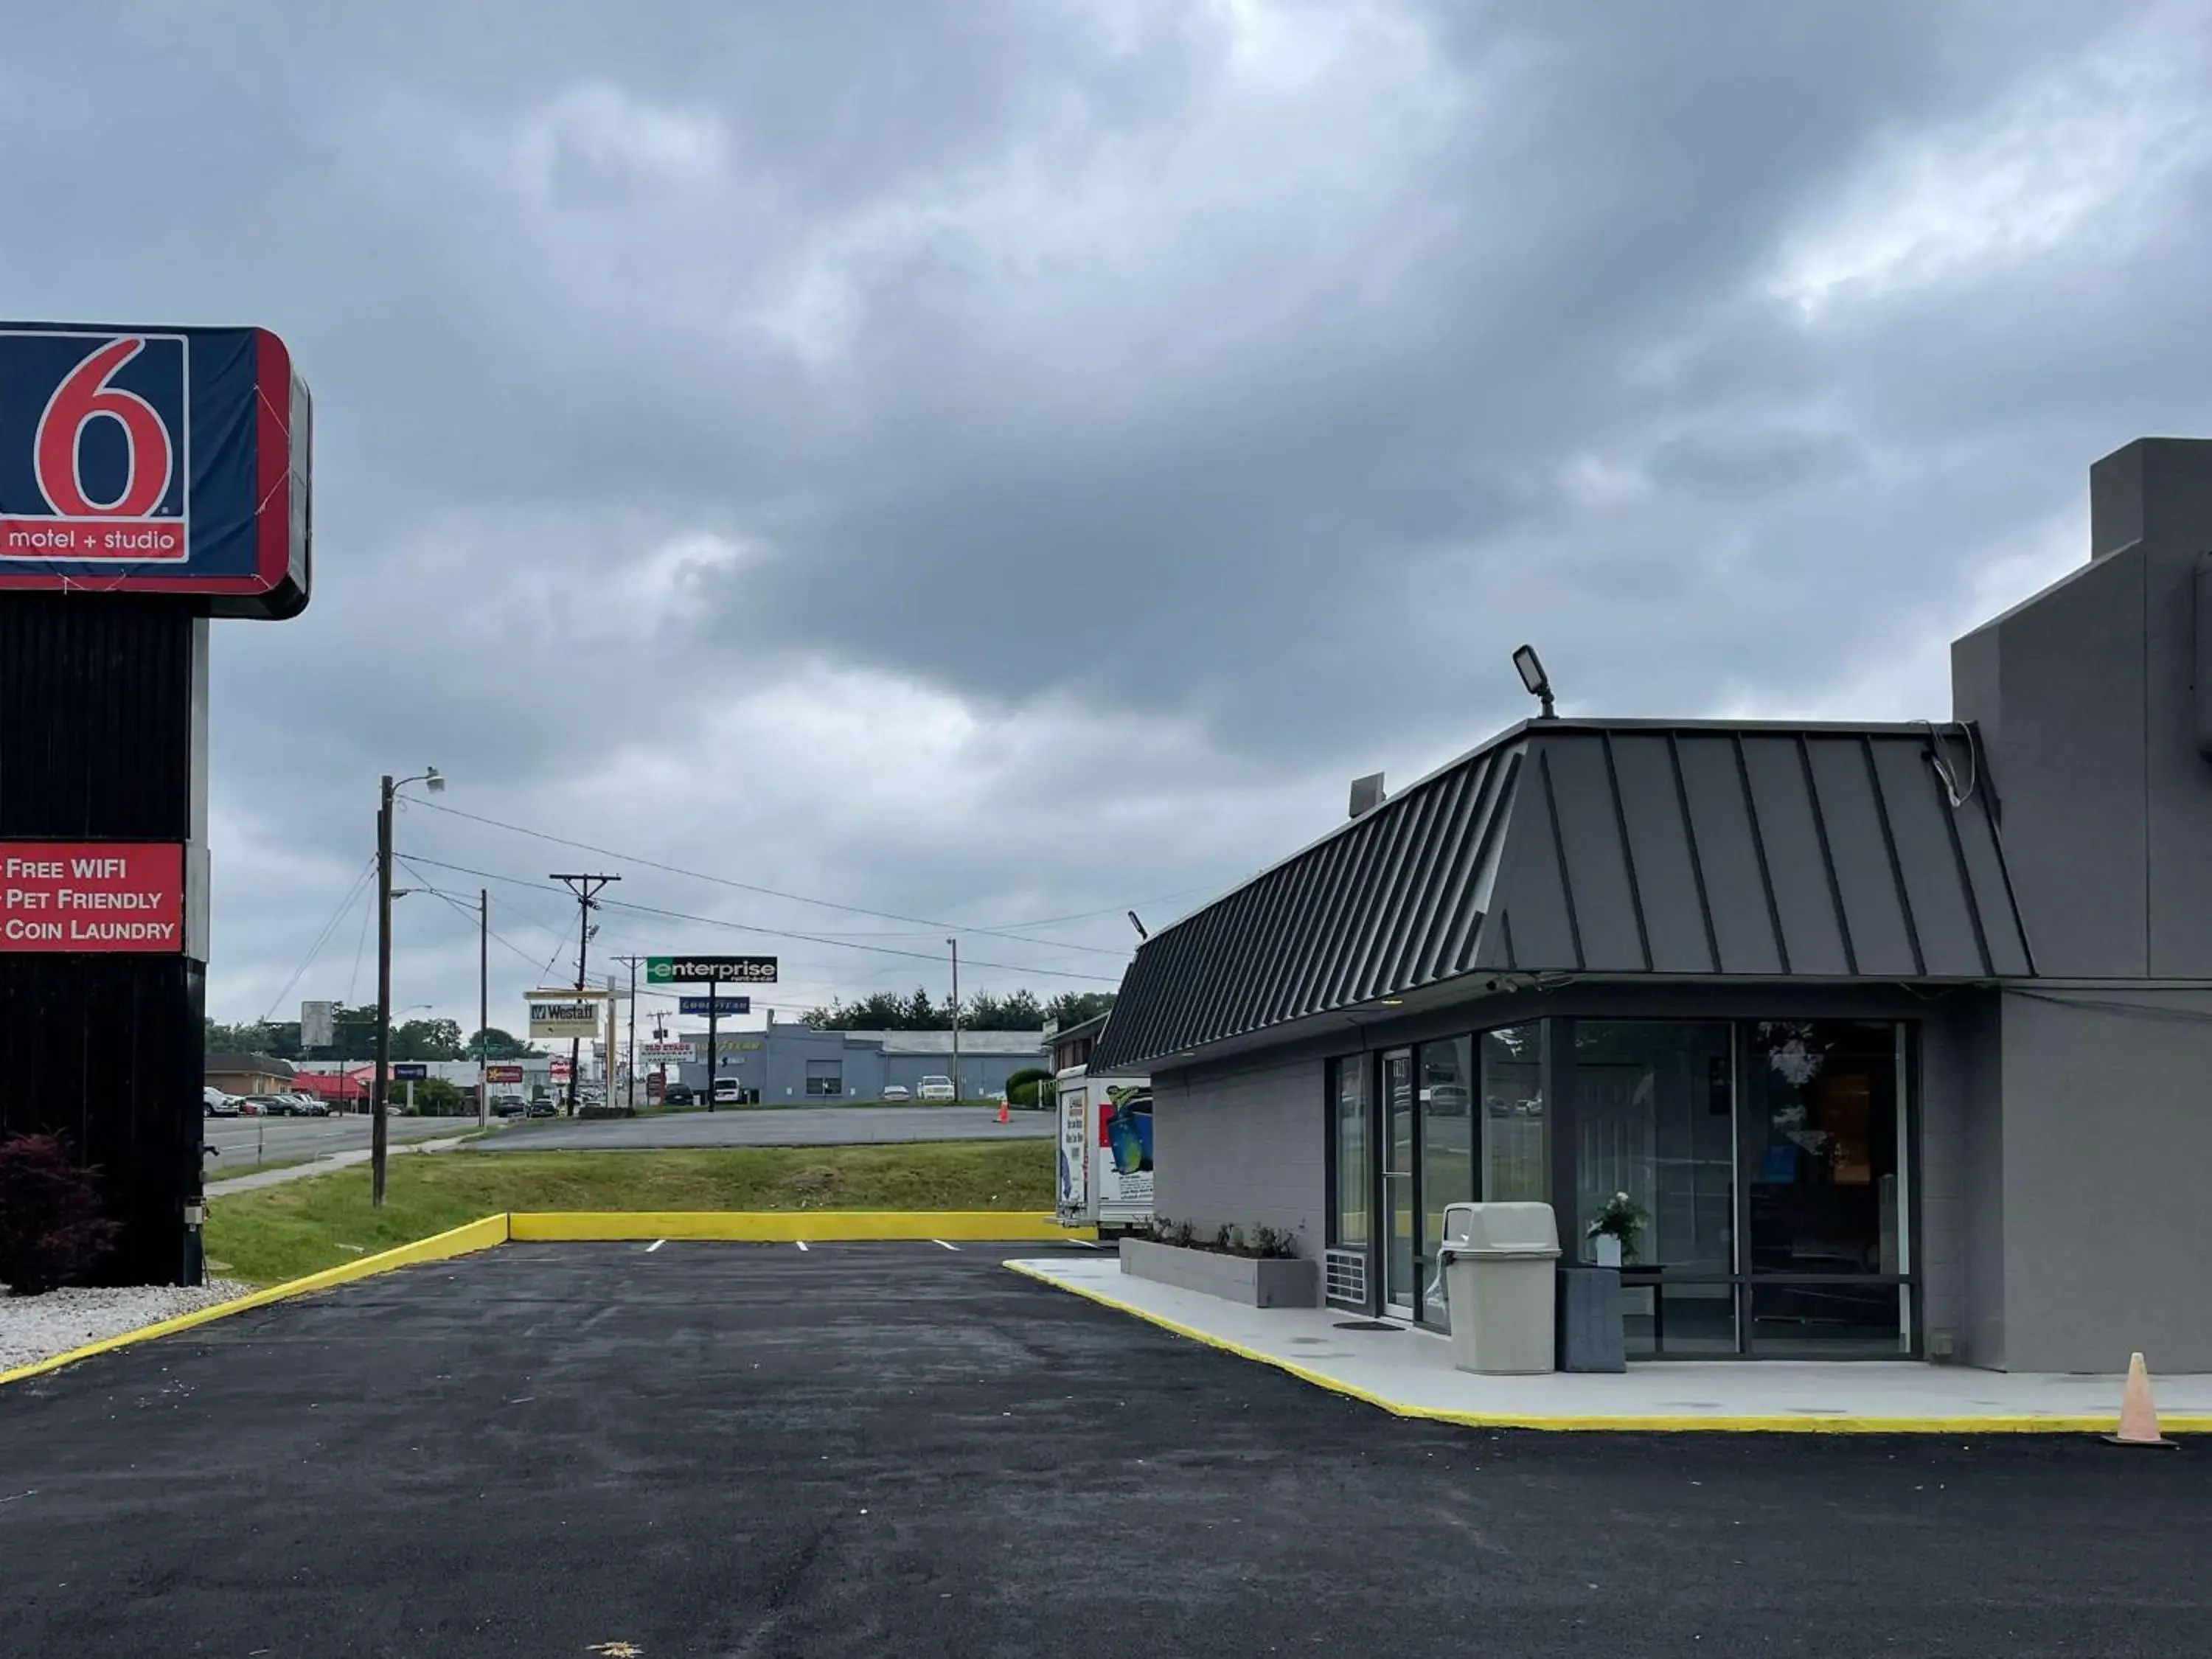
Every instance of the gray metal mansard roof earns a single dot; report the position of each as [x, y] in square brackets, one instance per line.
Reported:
[1605, 849]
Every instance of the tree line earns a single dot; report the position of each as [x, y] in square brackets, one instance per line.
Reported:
[354, 1033]
[1018, 1011]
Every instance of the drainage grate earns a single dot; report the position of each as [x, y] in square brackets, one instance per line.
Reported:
[1366, 1325]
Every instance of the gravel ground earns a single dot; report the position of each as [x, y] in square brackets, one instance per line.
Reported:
[35, 1327]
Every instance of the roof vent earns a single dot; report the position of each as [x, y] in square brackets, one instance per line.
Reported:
[1366, 793]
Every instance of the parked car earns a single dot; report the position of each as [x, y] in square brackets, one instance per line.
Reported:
[273, 1105]
[728, 1091]
[509, 1106]
[311, 1106]
[217, 1103]
[898, 1092]
[541, 1109]
[678, 1094]
[937, 1088]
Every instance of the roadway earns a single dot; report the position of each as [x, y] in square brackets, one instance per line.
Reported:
[798, 1125]
[245, 1142]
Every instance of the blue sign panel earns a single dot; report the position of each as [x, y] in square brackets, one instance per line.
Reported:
[718, 1005]
[141, 460]
[410, 1071]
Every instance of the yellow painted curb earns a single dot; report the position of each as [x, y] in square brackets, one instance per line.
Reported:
[778, 1226]
[1838, 1423]
[470, 1236]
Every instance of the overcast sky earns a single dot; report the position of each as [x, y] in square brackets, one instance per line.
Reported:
[998, 462]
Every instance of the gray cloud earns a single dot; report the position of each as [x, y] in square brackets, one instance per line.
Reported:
[989, 463]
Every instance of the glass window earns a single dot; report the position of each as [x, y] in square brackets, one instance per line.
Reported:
[1516, 1135]
[1353, 1176]
[1444, 1088]
[1810, 1316]
[1655, 1118]
[825, 1077]
[1827, 1185]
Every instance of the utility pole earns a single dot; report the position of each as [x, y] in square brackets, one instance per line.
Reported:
[379, 1136]
[584, 887]
[483, 1004]
[630, 1095]
[955, 943]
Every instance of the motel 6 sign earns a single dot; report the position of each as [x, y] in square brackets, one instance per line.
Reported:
[142, 460]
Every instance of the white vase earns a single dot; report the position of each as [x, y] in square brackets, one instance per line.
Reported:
[1609, 1250]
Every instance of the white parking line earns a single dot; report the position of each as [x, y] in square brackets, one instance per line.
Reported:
[801, 1242]
[942, 1245]
[655, 1245]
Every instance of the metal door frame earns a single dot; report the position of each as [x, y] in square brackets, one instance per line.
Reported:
[1409, 1309]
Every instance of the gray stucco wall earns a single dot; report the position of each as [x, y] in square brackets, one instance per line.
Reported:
[2107, 1139]
[1243, 1146]
[2085, 696]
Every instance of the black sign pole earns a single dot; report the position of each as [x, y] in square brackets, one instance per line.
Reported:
[713, 1049]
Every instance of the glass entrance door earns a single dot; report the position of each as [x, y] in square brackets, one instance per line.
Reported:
[1401, 1202]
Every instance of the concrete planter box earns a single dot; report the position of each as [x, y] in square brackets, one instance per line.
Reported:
[1248, 1279]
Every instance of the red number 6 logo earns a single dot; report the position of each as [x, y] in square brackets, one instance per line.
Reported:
[82, 398]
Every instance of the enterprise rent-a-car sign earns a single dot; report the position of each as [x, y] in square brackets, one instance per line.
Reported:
[141, 460]
[710, 971]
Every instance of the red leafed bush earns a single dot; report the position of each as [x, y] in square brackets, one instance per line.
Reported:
[53, 1231]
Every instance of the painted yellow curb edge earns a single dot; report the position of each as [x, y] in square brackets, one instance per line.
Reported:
[779, 1226]
[2192, 1423]
[463, 1240]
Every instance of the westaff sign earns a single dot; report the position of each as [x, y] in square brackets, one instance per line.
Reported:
[574, 1018]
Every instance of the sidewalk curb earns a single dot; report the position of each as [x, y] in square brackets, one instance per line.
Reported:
[1837, 1423]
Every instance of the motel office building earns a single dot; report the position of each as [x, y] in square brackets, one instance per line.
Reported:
[1900, 1035]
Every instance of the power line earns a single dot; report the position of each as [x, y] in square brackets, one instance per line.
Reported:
[773, 932]
[770, 893]
[360, 885]
[453, 902]
[353, 980]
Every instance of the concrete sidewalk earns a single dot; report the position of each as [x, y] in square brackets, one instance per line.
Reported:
[1410, 1372]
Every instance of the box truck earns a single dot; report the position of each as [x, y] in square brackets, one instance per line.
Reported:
[1105, 1151]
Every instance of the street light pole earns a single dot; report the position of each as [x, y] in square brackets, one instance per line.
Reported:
[629, 1083]
[483, 1004]
[379, 1136]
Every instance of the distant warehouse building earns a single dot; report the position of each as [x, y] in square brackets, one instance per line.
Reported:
[797, 1062]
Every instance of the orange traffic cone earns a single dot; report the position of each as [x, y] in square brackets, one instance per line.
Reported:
[2138, 1417]
[1003, 1118]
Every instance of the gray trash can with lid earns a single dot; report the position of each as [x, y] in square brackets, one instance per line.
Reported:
[1499, 1264]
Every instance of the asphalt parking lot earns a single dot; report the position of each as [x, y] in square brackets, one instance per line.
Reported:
[781, 1126]
[902, 1449]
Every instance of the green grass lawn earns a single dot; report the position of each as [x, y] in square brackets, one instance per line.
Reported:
[303, 1226]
